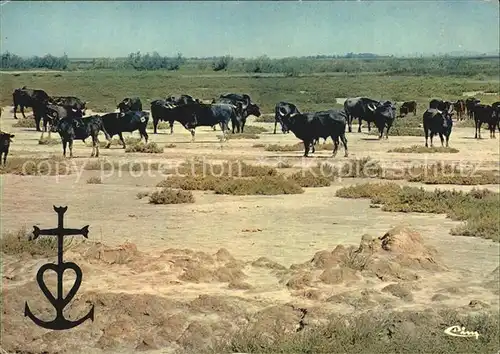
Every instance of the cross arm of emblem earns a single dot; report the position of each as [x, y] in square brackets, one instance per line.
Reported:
[84, 231]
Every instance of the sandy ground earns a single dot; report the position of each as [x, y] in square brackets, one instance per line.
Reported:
[286, 230]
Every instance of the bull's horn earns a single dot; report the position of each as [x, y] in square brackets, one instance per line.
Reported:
[371, 108]
[281, 111]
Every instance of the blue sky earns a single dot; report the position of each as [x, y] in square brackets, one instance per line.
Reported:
[248, 28]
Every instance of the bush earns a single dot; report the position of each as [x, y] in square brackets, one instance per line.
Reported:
[22, 241]
[374, 332]
[241, 136]
[153, 61]
[25, 123]
[308, 179]
[149, 148]
[478, 208]
[12, 61]
[171, 196]
[265, 118]
[265, 185]
[203, 183]
[94, 180]
[51, 166]
[48, 141]
[252, 129]
[420, 149]
[221, 63]
[441, 173]
[106, 165]
[141, 195]
[225, 169]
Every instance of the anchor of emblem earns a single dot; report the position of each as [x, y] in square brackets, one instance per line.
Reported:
[59, 302]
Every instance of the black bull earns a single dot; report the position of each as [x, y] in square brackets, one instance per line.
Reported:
[281, 110]
[25, 97]
[196, 115]
[117, 123]
[69, 101]
[69, 130]
[310, 126]
[407, 107]
[437, 122]
[128, 104]
[5, 140]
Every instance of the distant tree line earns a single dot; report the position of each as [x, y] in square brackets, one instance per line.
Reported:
[350, 63]
[13, 61]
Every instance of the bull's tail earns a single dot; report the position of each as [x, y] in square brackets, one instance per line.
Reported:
[103, 129]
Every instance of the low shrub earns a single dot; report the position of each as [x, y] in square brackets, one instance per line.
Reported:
[308, 179]
[265, 118]
[373, 332]
[25, 123]
[478, 209]
[22, 241]
[24, 166]
[171, 196]
[252, 129]
[262, 185]
[48, 141]
[94, 180]
[244, 135]
[149, 148]
[421, 149]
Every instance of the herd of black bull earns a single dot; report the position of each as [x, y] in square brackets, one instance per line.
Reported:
[66, 116]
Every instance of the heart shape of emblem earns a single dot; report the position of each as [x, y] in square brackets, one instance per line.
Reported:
[59, 303]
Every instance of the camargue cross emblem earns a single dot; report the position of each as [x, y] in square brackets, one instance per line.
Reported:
[59, 303]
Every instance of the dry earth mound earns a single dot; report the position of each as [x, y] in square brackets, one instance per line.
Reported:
[184, 300]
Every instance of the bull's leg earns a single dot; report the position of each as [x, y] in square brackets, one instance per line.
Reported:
[15, 110]
[121, 139]
[432, 136]
[344, 142]
[108, 138]
[192, 134]
[71, 148]
[426, 133]
[359, 128]
[95, 145]
[37, 123]
[22, 111]
[442, 139]
[233, 125]
[389, 125]
[335, 145]
[447, 136]
[275, 125]
[243, 125]
[380, 132]
[224, 128]
[171, 123]
[306, 148]
[64, 143]
[144, 134]
[155, 125]
[369, 127]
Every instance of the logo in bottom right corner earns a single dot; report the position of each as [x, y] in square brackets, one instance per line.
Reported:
[460, 331]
